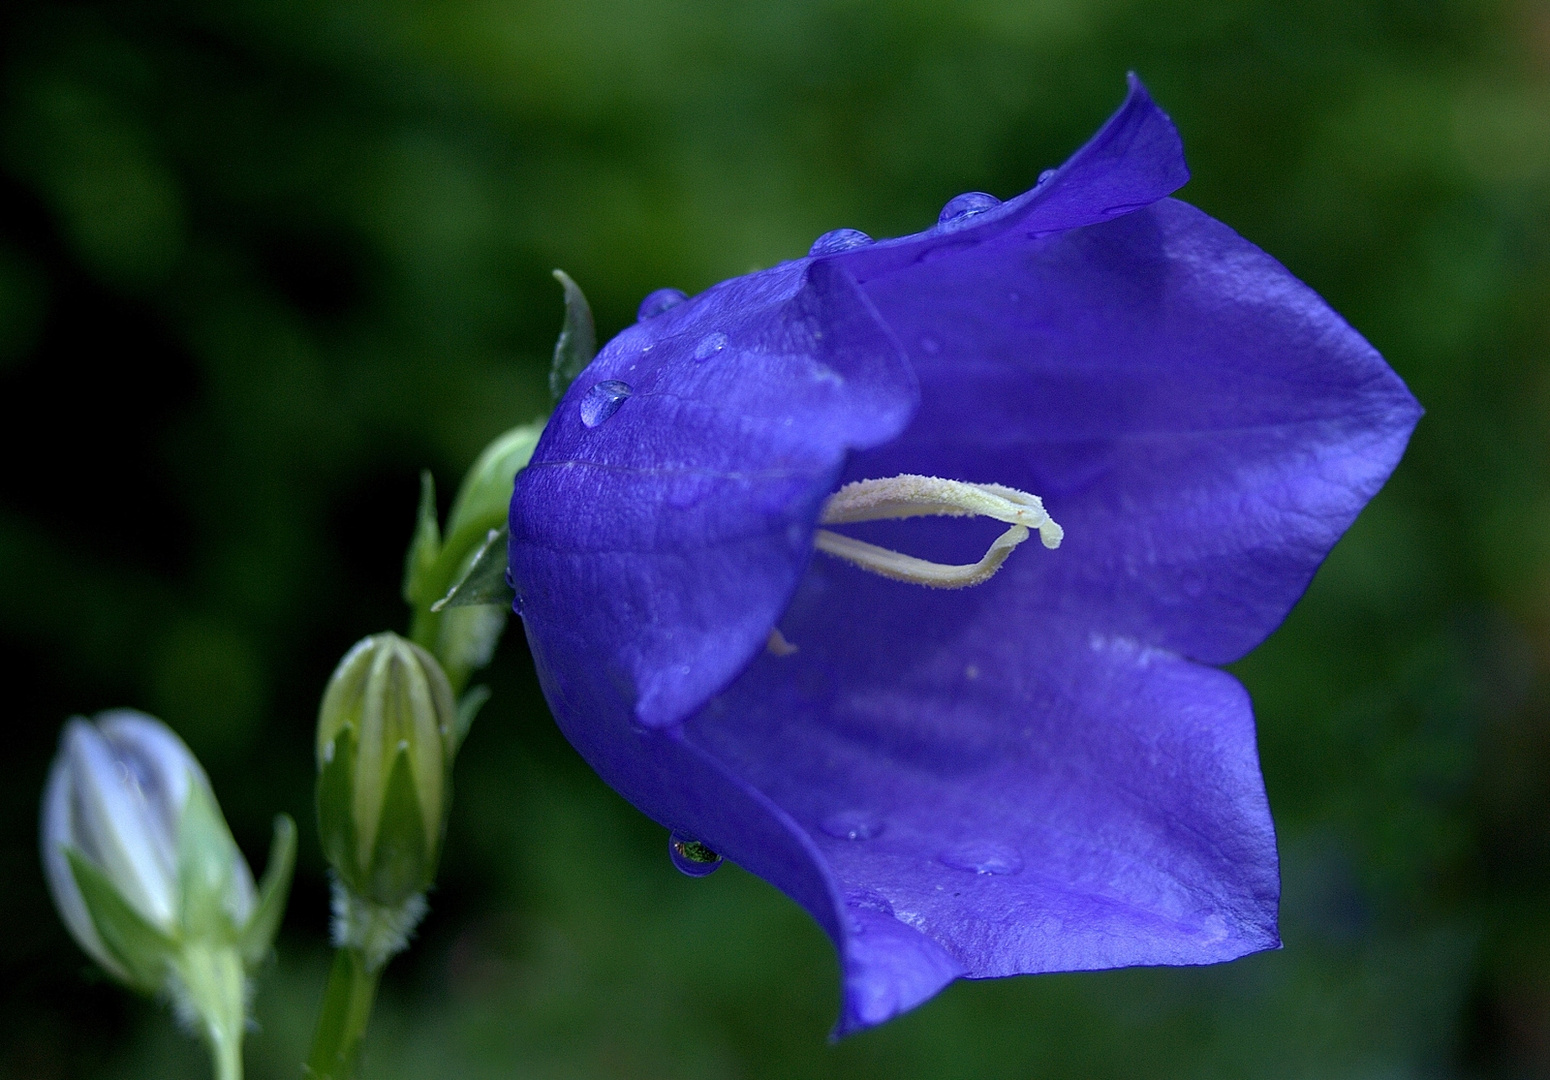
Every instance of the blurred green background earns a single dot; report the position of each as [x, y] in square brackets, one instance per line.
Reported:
[261, 262]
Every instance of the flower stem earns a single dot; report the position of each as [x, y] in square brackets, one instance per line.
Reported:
[336, 1048]
[208, 987]
[227, 1056]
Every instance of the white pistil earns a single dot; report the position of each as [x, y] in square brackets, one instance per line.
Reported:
[908, 496]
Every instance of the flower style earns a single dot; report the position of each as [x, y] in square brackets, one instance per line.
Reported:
[1042, 771]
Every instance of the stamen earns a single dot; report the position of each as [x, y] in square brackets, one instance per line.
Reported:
[908, 496]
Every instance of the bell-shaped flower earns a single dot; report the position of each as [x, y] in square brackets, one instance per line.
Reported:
[764, 555]
[146, 875]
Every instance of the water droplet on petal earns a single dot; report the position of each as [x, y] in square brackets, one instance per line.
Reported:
[865, 899]
[930, 345]
[658, 302]
[710, 345]
[962, 207]
[602, 401]
[982, 857]
[837, 240]
[1045, 175]
[690, 856]
[852, 825]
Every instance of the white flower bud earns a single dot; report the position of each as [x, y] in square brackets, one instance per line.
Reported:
[148, 879]
[116, 795]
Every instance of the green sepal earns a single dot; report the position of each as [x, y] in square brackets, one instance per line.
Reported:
[273, 891]
[468, 707]
[424, 548]
[578, 338]
[142, 950]
[484, 582]
[403, 859]
[206, 856]
[336, 818]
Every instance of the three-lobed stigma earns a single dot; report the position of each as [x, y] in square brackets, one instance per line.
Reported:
[909, 495]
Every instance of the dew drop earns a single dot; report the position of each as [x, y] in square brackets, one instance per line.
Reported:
[690, 856]
[868, 900]
[852, 825]
[1045, 175]
[864, 899]
[658, 302]
[982, 857]
[961, 207]
[837, 240]
[602, 401]
[328, 752]
[710, 345]
[930, 345]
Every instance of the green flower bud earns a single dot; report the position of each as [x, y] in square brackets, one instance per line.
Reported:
[464, 636]
[387, 733]
[485, 494]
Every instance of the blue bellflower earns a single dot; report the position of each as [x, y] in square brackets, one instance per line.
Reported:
[720, 545]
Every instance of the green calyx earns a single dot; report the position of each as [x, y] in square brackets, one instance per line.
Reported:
[220, 933]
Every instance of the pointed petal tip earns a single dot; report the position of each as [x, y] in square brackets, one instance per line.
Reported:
[890, 968]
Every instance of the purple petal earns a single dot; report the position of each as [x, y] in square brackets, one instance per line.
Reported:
[1135, 159]
[1040, 800]
[1200, 422]
[653, 550]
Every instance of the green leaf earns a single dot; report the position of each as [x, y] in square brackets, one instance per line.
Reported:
[403, 861]
[206, 868]
[484, 582]
[424, 548]
[578, 338]
[468, 707]
[142, 951]
[273, 891]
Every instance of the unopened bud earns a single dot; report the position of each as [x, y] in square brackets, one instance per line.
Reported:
[146, 875]
[387, 731]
